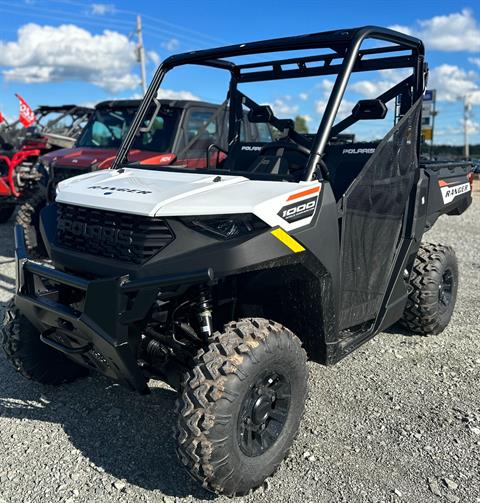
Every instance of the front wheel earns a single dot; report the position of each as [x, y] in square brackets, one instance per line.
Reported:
[30, 356]
[241, 405]
[29, 218]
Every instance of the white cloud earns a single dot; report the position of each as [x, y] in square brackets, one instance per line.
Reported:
[450, 81]
[284, 106]
[326, 85]
[459, 31]
[67, 52]
[453, 82]
[170, 94]
[303, 96]
[475, 61]
[371, 88]
[451, 131]
[344, 110]
[171, 44]
[100, 9]
[375, 87]
[154, 57]
[473, 126]
[401, 28]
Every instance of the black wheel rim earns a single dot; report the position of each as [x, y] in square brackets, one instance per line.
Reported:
[445, 290]
[263, 413]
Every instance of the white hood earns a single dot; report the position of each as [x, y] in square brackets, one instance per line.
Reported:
[161, 193]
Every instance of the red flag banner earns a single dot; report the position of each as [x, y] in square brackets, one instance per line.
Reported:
[2, 118]
[27, 116]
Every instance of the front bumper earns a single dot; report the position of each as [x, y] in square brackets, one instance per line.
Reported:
[96, 334]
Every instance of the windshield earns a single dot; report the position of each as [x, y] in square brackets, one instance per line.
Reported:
[107, 128]
[295, 109]
[64, 122]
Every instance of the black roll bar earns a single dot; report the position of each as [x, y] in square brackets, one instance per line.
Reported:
[326, 124]
[344, 44]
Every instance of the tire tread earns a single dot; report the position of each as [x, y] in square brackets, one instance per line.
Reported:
[28, 217]
[421, 312]
[203, 387]
[20, 343]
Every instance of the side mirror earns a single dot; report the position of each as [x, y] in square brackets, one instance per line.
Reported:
[262, 113]
[369, 109]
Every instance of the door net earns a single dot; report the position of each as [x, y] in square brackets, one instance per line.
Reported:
[373, 209]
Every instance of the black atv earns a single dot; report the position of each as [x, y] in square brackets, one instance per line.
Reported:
[223, 280]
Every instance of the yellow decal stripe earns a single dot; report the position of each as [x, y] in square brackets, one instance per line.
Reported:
[288, 241]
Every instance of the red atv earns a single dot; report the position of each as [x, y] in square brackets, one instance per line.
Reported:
[190, 128]
[55, 127]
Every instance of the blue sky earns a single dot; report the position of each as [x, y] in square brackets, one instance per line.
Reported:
[76, 51]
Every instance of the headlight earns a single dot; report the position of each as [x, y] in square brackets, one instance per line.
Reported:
[226, 226]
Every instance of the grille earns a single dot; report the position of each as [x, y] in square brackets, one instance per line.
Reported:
[131, 238]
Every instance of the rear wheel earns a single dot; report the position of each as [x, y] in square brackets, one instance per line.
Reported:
[30, 356]
[241, 405]
[29, 218]
[434, 284]
[6, 212]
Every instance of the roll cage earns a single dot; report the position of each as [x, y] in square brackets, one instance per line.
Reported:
[342, 57]
[78, 114]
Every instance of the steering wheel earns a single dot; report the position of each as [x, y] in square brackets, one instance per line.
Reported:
[278, 147]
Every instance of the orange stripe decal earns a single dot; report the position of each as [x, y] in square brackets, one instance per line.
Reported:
[307, 192]
[442, 183]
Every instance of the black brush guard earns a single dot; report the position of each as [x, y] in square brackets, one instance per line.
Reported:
[97, 336]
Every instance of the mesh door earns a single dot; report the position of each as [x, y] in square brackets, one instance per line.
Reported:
[373, 209]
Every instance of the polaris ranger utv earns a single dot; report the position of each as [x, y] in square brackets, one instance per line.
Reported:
[180, 134]
[223, 281]
[55, 127]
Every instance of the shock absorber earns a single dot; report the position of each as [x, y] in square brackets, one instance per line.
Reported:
[204, 314]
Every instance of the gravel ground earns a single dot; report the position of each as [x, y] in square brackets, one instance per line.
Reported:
[399, 420]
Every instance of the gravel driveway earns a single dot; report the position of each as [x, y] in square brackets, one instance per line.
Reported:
[399, 420]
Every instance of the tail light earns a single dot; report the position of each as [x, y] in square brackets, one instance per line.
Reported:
[470, 179]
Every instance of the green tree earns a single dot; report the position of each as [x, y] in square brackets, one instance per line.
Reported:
[301, 124]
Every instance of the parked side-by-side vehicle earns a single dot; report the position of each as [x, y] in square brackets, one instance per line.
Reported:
[221, 278]
[180, 133]
[55, 127]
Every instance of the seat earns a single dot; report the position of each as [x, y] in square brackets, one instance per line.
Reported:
[159, 141]
[345, 162]
[242, 155]
[269, 165]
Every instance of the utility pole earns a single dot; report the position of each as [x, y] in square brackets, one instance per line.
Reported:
[141, 54]
[466, 113]
[433, 115]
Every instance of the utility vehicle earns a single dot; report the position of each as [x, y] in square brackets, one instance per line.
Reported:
[180, 133]
[221, 281]
[55, 127]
